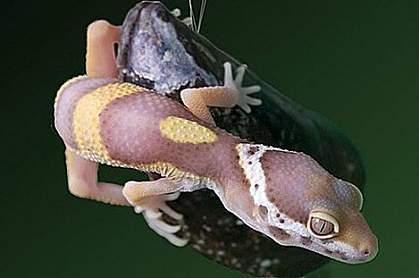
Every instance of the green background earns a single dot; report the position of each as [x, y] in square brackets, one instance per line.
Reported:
[356, 62]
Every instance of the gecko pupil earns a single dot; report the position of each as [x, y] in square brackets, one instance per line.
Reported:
[321, 226]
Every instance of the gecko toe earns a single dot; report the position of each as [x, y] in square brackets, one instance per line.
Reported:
[167, 231]
[152, 214]
[171, 212]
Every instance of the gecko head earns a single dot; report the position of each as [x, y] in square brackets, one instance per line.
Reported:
[297, 202]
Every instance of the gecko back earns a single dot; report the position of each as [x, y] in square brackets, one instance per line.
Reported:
[121, 124]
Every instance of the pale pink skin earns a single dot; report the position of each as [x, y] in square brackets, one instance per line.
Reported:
[273, 191]
[130, 131]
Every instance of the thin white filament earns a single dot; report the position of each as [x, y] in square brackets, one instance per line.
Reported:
[197, 27]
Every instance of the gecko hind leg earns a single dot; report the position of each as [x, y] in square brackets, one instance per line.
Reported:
[232, 93]
[82, 181]
[149, 198]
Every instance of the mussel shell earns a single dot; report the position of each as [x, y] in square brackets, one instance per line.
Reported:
[161, 53]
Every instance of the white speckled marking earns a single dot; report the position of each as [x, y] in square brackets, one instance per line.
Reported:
[256, 176]
[250, 162]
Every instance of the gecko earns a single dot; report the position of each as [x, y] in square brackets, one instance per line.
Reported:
[283, 194]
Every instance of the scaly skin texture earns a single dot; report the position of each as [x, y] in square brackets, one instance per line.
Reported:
[285, 195]
[128, 126]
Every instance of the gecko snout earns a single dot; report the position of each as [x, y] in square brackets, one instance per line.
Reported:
[367, 248]
[357, 234]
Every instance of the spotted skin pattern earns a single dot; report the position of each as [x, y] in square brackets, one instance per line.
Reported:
[274, 191]
[184, 131]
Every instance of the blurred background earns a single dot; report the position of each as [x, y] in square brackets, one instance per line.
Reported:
[356, 62]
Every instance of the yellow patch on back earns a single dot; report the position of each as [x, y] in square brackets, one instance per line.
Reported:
[184, 131]
[86, 123]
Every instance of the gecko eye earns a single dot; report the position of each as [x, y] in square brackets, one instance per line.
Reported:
[322, 225]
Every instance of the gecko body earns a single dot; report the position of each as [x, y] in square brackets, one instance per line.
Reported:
[283, 194]
[125, 125]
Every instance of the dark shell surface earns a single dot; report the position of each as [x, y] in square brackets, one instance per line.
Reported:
[159, 52]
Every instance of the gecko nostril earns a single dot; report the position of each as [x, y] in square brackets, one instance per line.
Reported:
[366, 252]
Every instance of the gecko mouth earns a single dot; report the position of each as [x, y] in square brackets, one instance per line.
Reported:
[348, 255]
[326, 247]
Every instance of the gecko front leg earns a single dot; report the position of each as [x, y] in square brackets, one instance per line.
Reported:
[231, 94]
[149, 198]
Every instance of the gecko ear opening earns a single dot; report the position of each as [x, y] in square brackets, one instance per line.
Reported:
[349, 193]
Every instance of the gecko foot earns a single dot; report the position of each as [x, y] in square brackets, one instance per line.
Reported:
[153, 208]
[242, 93]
